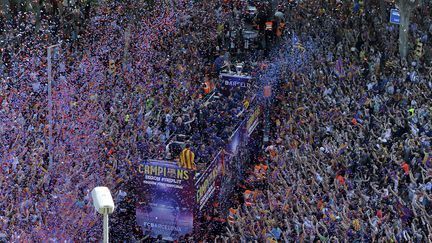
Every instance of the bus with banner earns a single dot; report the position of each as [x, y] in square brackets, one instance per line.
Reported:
[171, 198]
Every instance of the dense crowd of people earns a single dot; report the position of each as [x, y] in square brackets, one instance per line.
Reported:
[349, 158]
[117, 86]
[214, 123]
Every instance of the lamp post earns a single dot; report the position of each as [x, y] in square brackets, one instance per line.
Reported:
[267, 95]
[105, 228]
[50, 115]
[104, 204]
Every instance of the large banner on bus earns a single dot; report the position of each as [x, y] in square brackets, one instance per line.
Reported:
[166, 199]
[207, 186]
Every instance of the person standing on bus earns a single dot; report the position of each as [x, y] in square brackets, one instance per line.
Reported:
[187, 158]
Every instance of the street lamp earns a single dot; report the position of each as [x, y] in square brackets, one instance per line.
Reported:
[267, 95]
[50, 115]
[104, 204]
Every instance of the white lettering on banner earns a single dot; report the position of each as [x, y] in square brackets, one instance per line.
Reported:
[153, 178]
[170, 180]
[234, 83]
[162, 184]
[162, 226]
